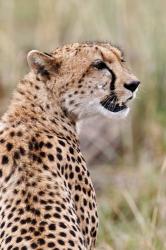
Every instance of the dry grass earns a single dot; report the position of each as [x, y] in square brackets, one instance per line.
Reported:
[131, 199]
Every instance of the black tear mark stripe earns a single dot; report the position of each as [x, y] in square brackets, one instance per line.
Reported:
[112, 84]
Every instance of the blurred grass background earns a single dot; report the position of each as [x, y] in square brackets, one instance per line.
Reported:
[127, 158]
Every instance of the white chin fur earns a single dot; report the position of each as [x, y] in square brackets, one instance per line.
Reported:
[115, 115]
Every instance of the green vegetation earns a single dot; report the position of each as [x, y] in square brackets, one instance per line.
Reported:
[132, 202]
[132, 209]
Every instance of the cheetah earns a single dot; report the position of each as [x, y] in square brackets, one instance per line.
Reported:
[47, 199]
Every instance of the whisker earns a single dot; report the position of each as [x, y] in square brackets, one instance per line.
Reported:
[113, 103]
[109, 101]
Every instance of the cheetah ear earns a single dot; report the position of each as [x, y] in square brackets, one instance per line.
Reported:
[42, 64]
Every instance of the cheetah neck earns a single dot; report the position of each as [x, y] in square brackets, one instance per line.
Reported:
[35, 103]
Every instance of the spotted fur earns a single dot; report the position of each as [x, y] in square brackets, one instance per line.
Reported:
[47, 200]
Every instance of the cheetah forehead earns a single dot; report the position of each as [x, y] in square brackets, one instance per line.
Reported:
[97, 47]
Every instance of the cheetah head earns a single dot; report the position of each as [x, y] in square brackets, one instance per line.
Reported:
[87, 79]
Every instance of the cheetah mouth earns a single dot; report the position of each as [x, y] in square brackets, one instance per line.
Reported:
[111, 104]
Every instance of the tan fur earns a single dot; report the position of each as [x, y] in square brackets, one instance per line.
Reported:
[47, 200]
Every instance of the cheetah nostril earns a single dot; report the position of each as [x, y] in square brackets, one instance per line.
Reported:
[132, 86]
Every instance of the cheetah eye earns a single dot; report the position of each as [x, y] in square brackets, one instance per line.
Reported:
[98, 64]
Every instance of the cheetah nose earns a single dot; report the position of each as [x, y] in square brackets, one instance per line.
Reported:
[132, 86]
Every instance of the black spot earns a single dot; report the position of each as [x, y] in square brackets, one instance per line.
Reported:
[62, 225]
[24, 248]
[19, 239]
[51, 236]
[36, 233]
[48, 207]
[34, 245]
[37, 87]
[76, 197]
[71, 102]
[85, 202]
[52, 227]
[73, 159]
[8, 239]
[61, 143]
[42, 154]
[23, 231]
[19, 133]
[72, 233]
[62, 234]
[56, 215]
[47, 216]
[14, 229]
[48, 145]
[5, 159]
[77, 169]
[45, 167]
[41, 144]
[50, 157]
[12, 133]
[80, 177]
[41, 193]
[71, 242]
[59, 156]
[79, 159]
[51, 244]
[71, 175]
[59, 150]
[58, 209]
[36, 212]
[41, 241]
[16, 155]
[93, 232]
[71, 150]
[30, 145]
[22, 151]
[61, 242]
[28, 237]
[9, 146]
